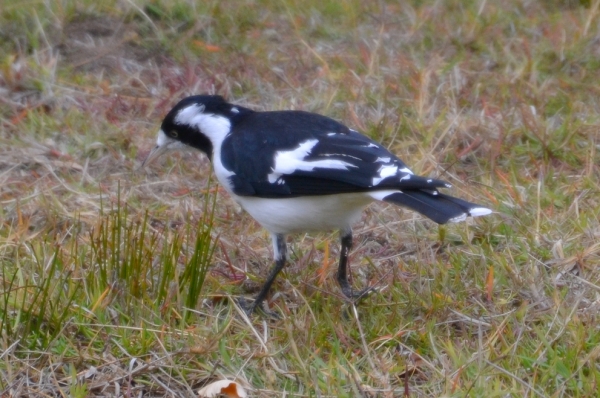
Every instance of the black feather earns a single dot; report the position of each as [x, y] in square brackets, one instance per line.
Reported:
[250, 149]
[439, 208]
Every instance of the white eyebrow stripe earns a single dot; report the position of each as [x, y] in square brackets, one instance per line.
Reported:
[188, 114]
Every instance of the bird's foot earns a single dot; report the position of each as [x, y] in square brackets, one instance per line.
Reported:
[251, 306]
[358, 296]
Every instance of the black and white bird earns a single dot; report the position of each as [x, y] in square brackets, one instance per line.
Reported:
[296, 171]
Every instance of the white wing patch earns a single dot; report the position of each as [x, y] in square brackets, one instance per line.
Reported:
[390, 170]
[385, 171]
[287, 162]
[341, 155]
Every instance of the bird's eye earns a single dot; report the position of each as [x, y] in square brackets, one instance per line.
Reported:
[173, 133]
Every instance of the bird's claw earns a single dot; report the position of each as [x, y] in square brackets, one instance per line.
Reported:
[357, 297]
[250, 307]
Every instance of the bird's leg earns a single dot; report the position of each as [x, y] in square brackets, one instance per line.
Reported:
[279, 249]
[342, 276]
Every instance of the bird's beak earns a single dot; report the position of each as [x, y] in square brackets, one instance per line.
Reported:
[163, 144]
[154, 154]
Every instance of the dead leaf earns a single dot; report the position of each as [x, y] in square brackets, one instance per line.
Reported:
[229, 388]
[207, 47]
[322, 272]
[91, 372]
[490, 283]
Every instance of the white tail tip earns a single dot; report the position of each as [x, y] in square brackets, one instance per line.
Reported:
[479, 211]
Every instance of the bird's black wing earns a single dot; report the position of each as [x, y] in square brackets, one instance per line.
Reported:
[293, 153]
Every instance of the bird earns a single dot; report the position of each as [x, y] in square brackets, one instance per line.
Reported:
[298, 172]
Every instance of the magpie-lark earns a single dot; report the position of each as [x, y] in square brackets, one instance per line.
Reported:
[296, 171]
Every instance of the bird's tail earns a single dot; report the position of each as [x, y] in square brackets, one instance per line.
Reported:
[436, 206]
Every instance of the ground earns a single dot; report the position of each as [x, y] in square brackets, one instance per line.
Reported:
[118, 281]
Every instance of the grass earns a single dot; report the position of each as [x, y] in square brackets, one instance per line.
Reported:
[116, 280]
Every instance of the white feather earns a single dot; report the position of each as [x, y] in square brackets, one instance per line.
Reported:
[287, 162]
[306, 213]
[385, 171]
[216, 128]
[479, 211]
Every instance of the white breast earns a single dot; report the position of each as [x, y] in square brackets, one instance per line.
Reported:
[308, 213]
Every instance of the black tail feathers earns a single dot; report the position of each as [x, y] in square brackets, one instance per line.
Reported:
[438, 207]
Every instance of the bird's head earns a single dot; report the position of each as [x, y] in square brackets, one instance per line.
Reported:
[200, 121]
